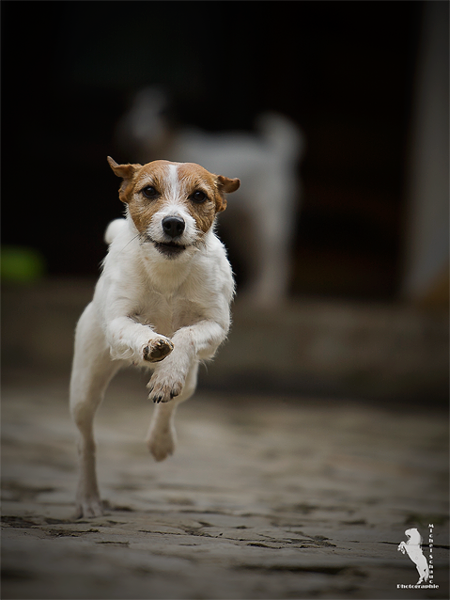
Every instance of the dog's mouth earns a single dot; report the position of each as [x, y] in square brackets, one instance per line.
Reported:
[169, 249]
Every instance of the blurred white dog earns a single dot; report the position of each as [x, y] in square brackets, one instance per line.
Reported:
[264, 216]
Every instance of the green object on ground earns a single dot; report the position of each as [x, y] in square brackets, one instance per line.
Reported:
[19, 264]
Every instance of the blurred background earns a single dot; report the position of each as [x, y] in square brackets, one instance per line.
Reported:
[365, 84]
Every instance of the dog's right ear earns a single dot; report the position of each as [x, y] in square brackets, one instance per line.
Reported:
[126, 172]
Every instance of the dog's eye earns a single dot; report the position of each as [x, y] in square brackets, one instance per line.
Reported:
[150, 192]
[199, 197]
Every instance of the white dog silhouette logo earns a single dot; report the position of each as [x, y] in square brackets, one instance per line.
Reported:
[413, 548]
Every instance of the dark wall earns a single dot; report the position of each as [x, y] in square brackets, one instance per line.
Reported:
[343, 71]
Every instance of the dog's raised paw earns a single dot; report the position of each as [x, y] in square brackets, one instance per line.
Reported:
[157, 349]
[163, 394]
[163, 388]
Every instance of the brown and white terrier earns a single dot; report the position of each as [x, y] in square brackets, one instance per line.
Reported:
[162, 302]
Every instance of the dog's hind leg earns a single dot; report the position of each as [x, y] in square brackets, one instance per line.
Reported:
[92, 370]
[161, 437]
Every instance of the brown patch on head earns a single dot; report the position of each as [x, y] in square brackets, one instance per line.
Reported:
[126, 172]
[136, 178]
[204, 215]
[196, 178]
[226, 186]
[141, 208]
[198, 190]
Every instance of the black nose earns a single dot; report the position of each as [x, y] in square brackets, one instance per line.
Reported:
[173, 226]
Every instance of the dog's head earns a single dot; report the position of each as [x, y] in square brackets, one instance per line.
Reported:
[172, 205]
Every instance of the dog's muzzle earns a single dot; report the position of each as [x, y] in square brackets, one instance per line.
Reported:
[173, 227]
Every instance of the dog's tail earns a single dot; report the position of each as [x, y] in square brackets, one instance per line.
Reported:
[113, 229]
[282, 134]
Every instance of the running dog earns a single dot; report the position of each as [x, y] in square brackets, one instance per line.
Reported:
[162, 301]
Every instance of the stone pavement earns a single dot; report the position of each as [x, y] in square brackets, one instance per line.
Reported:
[271, 497]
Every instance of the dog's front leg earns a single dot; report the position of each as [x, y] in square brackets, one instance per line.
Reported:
[175, 379]
[129, 339]
[161, 438]
[191, 344]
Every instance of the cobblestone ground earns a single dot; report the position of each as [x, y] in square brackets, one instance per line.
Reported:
[264, 498]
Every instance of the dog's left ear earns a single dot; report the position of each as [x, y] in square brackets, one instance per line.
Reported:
[226, 186]
[126, 172]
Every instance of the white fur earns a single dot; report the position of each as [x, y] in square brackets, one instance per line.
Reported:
[143, 298]
[173, 180]
[190, 234]
[113, 229]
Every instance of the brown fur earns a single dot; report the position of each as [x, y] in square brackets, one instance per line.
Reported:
[192, 177]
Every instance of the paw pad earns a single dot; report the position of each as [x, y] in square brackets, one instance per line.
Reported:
[157, 350]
